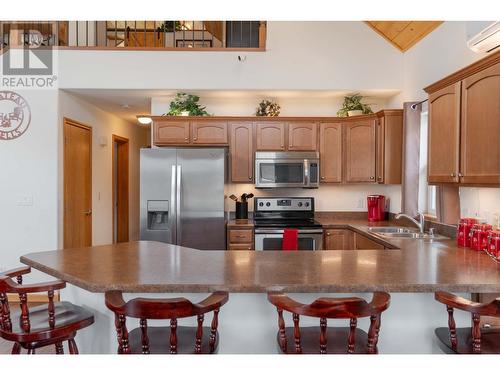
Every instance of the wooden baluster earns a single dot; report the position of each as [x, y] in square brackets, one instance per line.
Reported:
[452, 328]
[199, 335]
[145, 338]
[213, 330]
[282, 335]
[25, 318]
[377, 330]
[296, 333]
[352, 336]
[6, 322]
[322, 336]
[476, 334]
[119, 333]
[371, 334]
[73, 349]
[59, 348]
[173, 336]
[52, 314]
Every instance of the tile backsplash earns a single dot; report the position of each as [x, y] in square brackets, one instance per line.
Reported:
[480, 202]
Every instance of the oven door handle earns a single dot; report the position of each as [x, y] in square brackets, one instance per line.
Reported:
[280, 231]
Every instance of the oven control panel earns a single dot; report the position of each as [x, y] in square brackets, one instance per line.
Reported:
[284, 204]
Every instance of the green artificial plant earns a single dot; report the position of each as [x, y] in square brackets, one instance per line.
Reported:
[186, 103]
[353, 103]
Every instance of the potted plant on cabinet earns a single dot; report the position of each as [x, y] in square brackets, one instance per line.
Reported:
[352, 106]
[186, 105]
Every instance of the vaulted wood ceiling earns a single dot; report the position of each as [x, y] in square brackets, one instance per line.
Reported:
[403, 34]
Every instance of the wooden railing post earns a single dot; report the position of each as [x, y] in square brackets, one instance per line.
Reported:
[281, 327]
[144, 336]
[199, 334]
[173, 336]
[476, 334]
[322, 336]
[452, 328]
[213, 330]
[352, 335]
[296, 333]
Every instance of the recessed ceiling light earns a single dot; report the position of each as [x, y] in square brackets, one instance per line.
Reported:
[144, 119]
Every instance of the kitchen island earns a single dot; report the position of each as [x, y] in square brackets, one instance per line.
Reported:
[248, 322]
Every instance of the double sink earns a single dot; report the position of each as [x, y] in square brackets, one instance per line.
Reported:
[404, 232]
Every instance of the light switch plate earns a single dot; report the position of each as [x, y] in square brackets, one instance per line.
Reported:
[26, 200]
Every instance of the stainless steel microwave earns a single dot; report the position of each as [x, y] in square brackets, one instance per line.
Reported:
[287, 169]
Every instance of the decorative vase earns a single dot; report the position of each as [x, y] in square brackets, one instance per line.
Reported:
[354, 113]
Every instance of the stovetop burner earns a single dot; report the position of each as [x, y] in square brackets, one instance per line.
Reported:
[285, 213]
[286, 223]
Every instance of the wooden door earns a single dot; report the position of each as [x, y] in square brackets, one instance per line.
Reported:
[143, 38]
[209, 132]
[330, 152]
[360, 151]
[302, 136]
[171, 132]
[270, 136]
[241, 150]
[120, 189]
[77, 183]
[480, 131]
[338, 239]
[444, 135]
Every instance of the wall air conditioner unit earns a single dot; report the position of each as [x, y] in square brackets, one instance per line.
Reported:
[486, 40]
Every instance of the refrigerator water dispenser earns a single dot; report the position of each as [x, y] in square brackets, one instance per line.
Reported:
[158, 215]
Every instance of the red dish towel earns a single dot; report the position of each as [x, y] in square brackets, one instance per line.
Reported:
[290, 240]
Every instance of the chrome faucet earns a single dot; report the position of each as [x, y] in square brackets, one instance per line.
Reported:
[420, 223]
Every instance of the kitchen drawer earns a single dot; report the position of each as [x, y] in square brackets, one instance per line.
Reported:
[240, 236]
[364, 243]
[240, 246]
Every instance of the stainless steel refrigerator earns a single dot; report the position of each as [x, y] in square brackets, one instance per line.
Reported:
[182, 196]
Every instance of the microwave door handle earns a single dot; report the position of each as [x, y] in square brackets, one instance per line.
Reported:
[306, 173]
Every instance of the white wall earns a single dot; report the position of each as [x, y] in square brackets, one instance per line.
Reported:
[441, 53]
[104, 125]
[29, 171]
[299, 55]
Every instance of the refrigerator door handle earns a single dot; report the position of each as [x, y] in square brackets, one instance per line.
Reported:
[173, 209]
[178, 203]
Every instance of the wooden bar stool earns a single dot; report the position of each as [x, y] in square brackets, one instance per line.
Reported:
[323, 340]
[146, 340]
[42, 325]
[473, 340]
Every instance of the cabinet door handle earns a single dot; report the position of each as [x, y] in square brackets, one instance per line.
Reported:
[380, 178]
[460, 175]
[453, 175]
[372, 177]
[194, 139]
[250, 178]
[328, 233]
[322, 177]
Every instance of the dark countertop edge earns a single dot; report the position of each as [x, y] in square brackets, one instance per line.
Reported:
[299, 288]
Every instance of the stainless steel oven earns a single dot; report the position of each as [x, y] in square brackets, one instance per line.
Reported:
[272, 239]
[273, 215]
[287, 169]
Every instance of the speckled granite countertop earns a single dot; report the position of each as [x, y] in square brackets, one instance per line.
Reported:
[416, 266]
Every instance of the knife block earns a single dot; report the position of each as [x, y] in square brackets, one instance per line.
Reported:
[241, 210]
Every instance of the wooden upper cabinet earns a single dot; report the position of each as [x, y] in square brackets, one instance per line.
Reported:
[241, 151]
[209, 132]
[330, 152]
[444, 135]
[390, 147]
[171, 132]
[480, 128]
[270, 136]
[360, 151]
[302, 136]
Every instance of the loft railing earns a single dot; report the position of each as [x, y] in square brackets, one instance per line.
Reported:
[161, 35]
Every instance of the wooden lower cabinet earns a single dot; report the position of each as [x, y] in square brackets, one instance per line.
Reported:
[240, 239]
[338, 239]
[360, 151]
[364, 243]
[241, 151]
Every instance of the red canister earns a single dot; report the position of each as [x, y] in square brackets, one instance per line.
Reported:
[479, 236]
[463, 230]
[494, 243]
